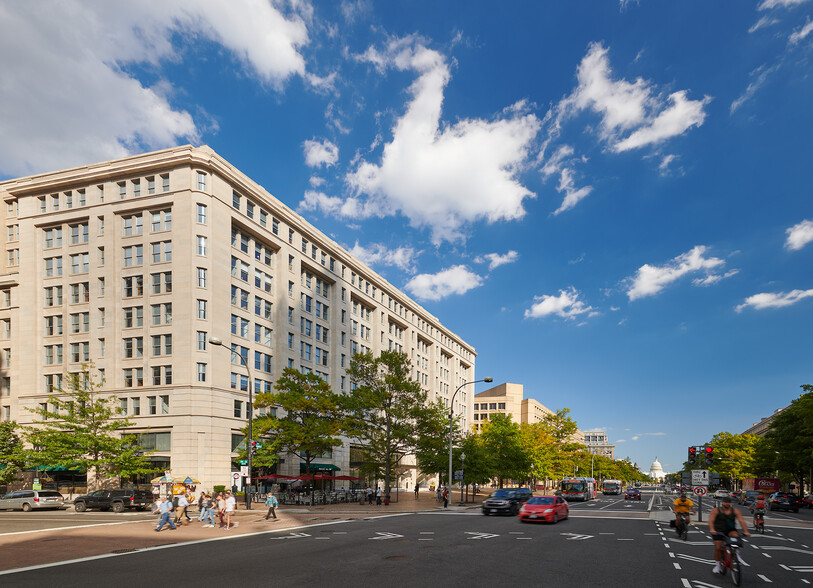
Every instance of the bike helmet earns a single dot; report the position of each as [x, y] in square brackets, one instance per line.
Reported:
[761, 497]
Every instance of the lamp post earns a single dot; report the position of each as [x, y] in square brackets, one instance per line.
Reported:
[463, 476]
[250, 413]
[451, 421]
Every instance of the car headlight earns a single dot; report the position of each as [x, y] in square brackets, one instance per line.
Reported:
[547, 511]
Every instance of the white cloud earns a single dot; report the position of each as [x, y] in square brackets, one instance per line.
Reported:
[66, 94]
[566, 305]
[801, 34]
[440, 176]
[663, 167]
[454, 280]
[799, 235]
[315, 200]
[316, 181]
[768, 4]
[761, 74]
[573, 195]
[650, 280]
[496, 260]
[319, 153]
[765, 21]
[712, 279]
[378, 254]
[774, 300]
[670, 122]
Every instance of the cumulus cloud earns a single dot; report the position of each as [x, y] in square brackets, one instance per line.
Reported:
[454, 280]
[378, 254]
[496, 260]
[774, 299]
[320, 153]
[566, 305]
[650, 280]
[632, 115]
[331, 205]
[443, 176]
[799, 235]
[66, 94]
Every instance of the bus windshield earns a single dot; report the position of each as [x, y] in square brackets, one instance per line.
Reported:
[573, 486]
[611, 485]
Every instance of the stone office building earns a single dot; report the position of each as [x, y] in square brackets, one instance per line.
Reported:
[135, 263]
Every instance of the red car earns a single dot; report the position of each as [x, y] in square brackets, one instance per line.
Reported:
[809, 501]
[550, 509]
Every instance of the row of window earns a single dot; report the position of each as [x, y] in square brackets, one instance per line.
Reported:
[135, 188]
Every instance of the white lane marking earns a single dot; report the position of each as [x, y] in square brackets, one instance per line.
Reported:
[576, 536]
[677, 565]
[322, 538]
[768, 556]
[481, 535]
[425, 539]
[784, 566]
[427, 533]
[764, 578]
[672, 554]
[526, 538]
[697, 559]
[292, 536]
[620, 539]
[783, 548]
[686, 583]
[76, 527]
[384, 536]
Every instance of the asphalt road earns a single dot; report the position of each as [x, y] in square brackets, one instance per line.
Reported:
[607, 542]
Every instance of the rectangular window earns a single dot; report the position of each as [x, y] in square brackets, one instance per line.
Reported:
[136, 188]
[201, 372]
[201, 309]
[235, 200]
[153, 405]
[165, 182]
[136, 404]
[133, 255]
[133, 316]
[132, 225]
[202, 214]
[249, 209]
[202, 245]
[79, 233]
[53, 267]
[161, 283]
[160, 220]
[202, 339]
[202, 277]
[151, 185]
[263, 218]
[201, 181]
[132, 286]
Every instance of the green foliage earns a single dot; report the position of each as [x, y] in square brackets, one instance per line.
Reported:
[502, 439]
[791, 437]
[311, 424]
[12, 454]
[80, 428]
[735, 455]
[388, 412]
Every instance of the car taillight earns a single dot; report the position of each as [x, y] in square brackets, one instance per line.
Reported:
[36, 499]
[132, 498]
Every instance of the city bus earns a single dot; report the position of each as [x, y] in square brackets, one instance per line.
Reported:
[578, 488]
[612, 487]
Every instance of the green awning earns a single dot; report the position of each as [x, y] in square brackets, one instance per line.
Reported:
[52, 468]
[315, 467]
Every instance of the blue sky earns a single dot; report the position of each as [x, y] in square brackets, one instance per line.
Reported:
[608, 199]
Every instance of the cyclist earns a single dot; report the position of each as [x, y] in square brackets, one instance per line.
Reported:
[723, 522]
[758, 508]
[682, 506]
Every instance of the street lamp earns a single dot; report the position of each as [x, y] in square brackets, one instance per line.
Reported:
[463, 475]
[250, 412]
[451, 420]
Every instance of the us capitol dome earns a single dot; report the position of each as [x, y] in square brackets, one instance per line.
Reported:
[656, 471]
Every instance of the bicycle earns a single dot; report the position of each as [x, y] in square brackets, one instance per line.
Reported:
[759, 522]
[683, 526]
[730, 559]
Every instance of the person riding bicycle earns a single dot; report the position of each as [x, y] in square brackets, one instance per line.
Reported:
[723, 522]
[682, 506]
[759, 508]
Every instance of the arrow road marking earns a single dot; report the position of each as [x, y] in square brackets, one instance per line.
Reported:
[576, 537]
[293, 536]
[385, 536]
[481, 535]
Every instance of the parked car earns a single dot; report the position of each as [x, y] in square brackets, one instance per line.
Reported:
[27, 500]
[632, 494]
[721, 494]
[551, 509]
[117, 500]
[808, 500]
[748, 497]
[506, 500]
[735, 495]
[783, 501]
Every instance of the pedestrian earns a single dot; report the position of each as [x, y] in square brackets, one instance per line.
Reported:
[209, 513]
[183, 504]
[438, 494]
[231, 505]
[445, 497]
[417, 489]
[369, 495]
[201, 506]
[165, 509]
[272, 503]
[378, 496]
[221, 508]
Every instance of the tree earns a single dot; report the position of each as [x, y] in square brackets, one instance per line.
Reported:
[791, 436]
[387, 411]
[735, 455]
[502, 439]
[12, 454]
[80, 428]
[312, 421]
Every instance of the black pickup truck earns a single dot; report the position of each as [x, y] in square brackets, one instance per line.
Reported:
[117, 500]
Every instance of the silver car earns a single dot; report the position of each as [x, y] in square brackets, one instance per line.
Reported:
[27, 500]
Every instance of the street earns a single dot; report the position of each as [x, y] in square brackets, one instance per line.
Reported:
[607, 542]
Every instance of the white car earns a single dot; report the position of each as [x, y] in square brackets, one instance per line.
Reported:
[721, 494]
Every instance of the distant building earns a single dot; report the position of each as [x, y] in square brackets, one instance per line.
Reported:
[762, 426]
[656, 471]
[598, 443]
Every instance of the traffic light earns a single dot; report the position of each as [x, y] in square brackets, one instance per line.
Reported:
[709, 459]
[255, 445]
[692, 455]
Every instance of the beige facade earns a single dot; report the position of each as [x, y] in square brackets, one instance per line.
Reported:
[507, 399]
[134, 263]
[598, 443]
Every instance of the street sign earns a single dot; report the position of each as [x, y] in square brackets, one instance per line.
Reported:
[700, 477]
[244, 470]
[236, 475]
[243, 462]
[700, 490]
[458, 475]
